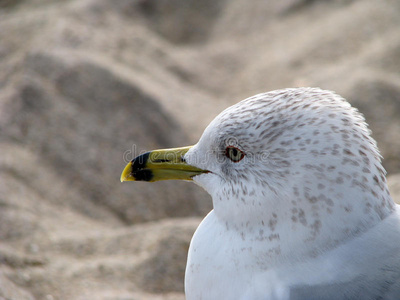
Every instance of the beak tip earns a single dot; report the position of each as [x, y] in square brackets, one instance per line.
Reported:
[126, 172]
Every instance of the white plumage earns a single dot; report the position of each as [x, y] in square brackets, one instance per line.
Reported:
[305, 214]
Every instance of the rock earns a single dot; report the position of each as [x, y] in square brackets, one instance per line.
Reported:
[379, 101]
[177, 21]
[9, 290]
[102, 263]
[82, 124]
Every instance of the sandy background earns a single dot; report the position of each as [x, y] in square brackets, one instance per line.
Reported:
[87, 84]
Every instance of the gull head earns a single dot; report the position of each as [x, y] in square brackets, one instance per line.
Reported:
[300, 160]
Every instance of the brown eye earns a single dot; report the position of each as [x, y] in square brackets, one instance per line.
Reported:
[234, 154]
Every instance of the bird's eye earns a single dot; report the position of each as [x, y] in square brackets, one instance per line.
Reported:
[234, 154]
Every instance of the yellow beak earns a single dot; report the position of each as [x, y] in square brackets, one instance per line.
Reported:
[158, 165]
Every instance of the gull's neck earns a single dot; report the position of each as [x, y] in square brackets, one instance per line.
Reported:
[291, 230]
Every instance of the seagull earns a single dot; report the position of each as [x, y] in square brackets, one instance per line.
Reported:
[301, 207]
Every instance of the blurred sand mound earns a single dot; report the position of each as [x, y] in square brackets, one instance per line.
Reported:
[86, 84]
